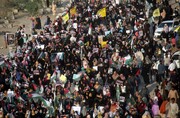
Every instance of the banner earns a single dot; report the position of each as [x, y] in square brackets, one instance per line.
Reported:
[102, 12]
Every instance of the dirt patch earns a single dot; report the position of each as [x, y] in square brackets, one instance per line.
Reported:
[4, 12]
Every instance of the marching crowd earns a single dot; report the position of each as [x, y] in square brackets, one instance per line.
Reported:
[98, 62]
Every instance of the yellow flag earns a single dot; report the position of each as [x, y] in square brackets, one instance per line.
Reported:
[104, 44]
[48, 76]
[87, 43]
[63, 78]
[65, 17]
[156, 12]
[102, 12]
[177, 29]
[73, 11]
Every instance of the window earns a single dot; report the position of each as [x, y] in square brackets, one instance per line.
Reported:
[162, 24]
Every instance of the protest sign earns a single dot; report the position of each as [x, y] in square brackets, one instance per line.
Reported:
[76, 109]
[57, 56]
[122, 98]
[10, 39]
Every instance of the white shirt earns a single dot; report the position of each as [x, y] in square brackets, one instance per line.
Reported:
[172, 66]
[10, 93]
[174, 109]
[73, 39]
[166, 61]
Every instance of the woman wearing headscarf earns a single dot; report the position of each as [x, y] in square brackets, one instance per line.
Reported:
[155, 107]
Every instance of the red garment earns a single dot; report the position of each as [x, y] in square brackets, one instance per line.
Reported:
[163, 107]
[137, 34]
[173, 41]
[141, 107]
[138, 72]
[17, 95]
[137, 24]
[34, 86]
[66, 90]
[24, 77]
[29, 95]
[159, 95]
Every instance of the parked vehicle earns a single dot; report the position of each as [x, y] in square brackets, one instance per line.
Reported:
[171, 24]
[176, 59]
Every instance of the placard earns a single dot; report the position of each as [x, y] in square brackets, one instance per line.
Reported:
[77, 109]
[123, 89]
[95, 68]
[119, 82]
[100, 108]
[40, 47]
[100, 39]
[95, 50]
[48, 35]
[122, 98]
[57, 56]
[10, 38]
[110, 70]
[107, 33]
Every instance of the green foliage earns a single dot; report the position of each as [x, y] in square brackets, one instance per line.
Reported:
[32, 7]
[13, 3]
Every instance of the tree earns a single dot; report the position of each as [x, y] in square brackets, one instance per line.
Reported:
[32, 7]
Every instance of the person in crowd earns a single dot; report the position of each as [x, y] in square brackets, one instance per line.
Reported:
[173, 94]
[163, 106]
[155, 108]
[161, 72]
[173, 109]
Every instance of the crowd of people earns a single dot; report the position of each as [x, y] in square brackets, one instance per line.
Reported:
[91, 66]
